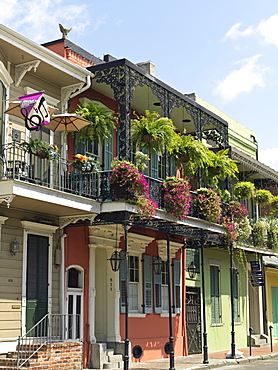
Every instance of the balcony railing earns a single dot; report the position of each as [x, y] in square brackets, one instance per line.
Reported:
[17, 164]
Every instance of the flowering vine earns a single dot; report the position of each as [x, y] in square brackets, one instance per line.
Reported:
[177, 197]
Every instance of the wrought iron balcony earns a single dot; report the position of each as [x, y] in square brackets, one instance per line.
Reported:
[17, 164]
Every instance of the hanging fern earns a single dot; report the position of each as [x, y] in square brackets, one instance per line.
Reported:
[102, 122]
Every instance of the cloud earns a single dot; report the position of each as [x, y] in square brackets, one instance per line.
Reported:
[269, 30]
[244, 79]
[234, 32]
[269, 157]
[39, 20]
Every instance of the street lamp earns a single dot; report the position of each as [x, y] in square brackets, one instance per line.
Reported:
[157, 265]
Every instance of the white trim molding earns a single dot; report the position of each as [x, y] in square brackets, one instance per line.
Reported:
[2, 221]
[5, 76]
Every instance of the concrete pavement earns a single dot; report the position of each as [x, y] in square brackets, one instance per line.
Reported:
[216, 359]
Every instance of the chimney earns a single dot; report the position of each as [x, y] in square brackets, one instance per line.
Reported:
[148, 67]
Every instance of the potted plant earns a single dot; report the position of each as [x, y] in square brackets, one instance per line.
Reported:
[125, 177]
[176, 197]
[220, 166]
[236, 222]
[85, 163]
[146, 206]
[244, 189]
[190, 153]
[40, 149]
[259, 232]
[102, 122]
[208, 204]
[274, 204]
[153, 132]
[262, 197]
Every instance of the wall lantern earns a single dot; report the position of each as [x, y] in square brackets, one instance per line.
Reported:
[157, 265]
[115, 261]
[14, 247]
[191, 269]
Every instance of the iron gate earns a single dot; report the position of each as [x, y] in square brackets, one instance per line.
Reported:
[193, 320]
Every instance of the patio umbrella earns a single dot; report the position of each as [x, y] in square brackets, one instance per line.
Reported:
[67, 122]
[14, 109]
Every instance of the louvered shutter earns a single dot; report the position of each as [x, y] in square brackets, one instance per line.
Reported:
[148, 283]
[215, 294]
[154, 166]
[122, 282]
[157, 293]
[177, 286]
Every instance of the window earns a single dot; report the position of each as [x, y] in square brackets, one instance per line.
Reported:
[74, 302]
[215, 294]
[158, 166]
[108, 152]
[161, 289]
[235, 282]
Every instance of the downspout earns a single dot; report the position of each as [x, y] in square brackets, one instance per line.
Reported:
[62, 274]
[84, 88]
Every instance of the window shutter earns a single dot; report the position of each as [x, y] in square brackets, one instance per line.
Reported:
[154, 166]
[173, 167]
[157, 293]
[236, 295]
[215, 294]
[177, 285]
[122, 282]
[148, 283]
[108, 153]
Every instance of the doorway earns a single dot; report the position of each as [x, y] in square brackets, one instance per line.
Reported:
[193, 320]
[74, 303]
[274, 297]
[37, 280]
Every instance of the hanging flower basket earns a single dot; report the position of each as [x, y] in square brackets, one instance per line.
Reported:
[41, 153]
[85, 163]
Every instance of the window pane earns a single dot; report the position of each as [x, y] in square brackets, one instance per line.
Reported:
[133, 297]
[165, 302]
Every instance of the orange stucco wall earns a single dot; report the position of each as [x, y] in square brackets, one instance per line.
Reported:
[152, 331]
[77, 253]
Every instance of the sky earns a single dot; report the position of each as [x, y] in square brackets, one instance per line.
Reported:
[226, 51]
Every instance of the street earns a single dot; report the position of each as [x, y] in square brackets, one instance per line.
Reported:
[271, 364]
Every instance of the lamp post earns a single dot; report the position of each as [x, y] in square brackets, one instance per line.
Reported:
[126, 341]
[205, 343]
[233, 346]
[171, 339]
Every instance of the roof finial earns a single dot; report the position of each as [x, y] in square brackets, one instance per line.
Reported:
[65, 31]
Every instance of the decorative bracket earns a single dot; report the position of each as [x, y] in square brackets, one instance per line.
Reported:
[23, 68]
[68, 90]
[65, 221]
[7, 198]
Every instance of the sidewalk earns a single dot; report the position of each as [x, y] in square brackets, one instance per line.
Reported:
[216, 359]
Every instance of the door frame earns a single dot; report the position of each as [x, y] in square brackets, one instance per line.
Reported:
[42, 230]
[74, 292]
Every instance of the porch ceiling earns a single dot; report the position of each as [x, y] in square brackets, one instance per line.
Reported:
[16, 49]
[42, 200]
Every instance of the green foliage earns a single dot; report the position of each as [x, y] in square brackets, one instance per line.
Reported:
[208, 204]
[263, 197]
[244, 190]
[225, 166]
[153, 132]
[197, 153]
[40, 148]
[102, 122]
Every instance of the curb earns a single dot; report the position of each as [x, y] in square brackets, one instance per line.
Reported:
[234, 362]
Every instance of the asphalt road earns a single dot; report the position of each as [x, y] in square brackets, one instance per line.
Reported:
[271, 364]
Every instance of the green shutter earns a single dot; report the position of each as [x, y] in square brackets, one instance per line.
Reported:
[154, 166]
[108, 153]
[122, 282]
[236, 295]
[215, 294]
[148, 283]
[177, 286]
[157, 293]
